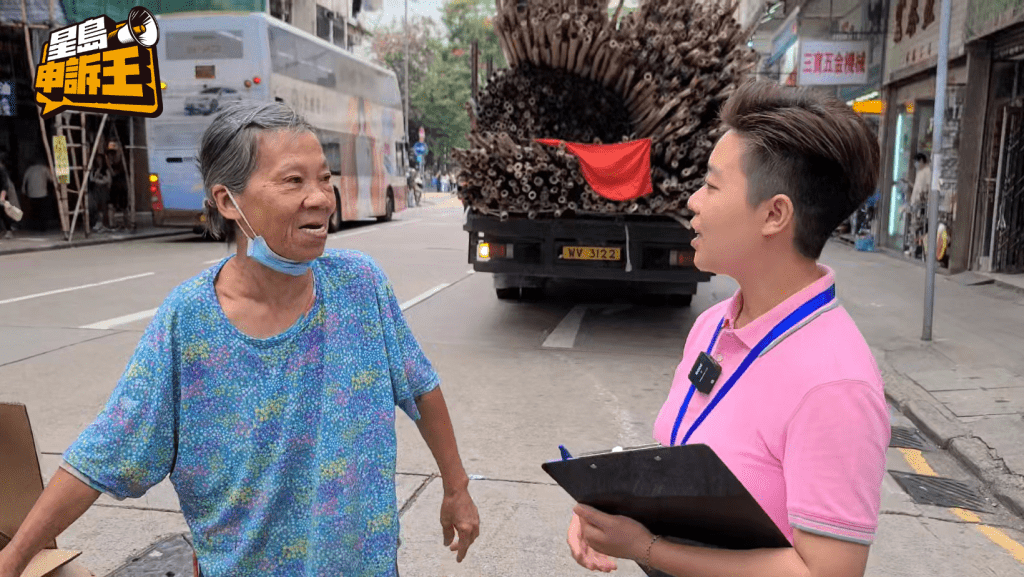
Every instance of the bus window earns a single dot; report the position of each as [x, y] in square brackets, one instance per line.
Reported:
[301, 59]
[204, 45]
[332, 150]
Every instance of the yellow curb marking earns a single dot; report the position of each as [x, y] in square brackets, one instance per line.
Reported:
[917, 462]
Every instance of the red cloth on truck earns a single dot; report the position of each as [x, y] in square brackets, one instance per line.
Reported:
[620, 171]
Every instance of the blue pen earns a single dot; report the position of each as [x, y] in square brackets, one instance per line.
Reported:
[565, 453]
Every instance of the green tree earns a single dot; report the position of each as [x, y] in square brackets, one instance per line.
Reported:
[425, 42]
[438, 104]
[440, 70]
[469, 20]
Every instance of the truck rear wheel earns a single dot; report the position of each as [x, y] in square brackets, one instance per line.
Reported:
[665, 300]
[532, 294]
[678, 300]
[507, 294]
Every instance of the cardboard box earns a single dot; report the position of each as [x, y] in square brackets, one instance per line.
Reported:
[21, 484]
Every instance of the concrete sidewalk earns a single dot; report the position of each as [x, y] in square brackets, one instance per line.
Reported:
[965, 388]
[53, 239]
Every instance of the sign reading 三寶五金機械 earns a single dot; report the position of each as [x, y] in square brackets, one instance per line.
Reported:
[99, 65]
[831, 63]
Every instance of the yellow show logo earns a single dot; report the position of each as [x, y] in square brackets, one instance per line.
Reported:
[102, 66]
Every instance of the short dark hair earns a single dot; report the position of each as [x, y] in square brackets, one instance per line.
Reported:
[921, 157]
[813, 149]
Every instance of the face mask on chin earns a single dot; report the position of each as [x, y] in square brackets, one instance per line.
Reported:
[260, 252]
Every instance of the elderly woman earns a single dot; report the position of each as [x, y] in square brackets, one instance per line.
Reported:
[266, 386]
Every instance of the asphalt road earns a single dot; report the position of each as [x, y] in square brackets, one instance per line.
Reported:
[586, 370]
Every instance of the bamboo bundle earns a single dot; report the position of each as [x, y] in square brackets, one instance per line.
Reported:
[578, 75]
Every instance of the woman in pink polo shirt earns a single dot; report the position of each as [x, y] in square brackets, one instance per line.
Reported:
[792, 398]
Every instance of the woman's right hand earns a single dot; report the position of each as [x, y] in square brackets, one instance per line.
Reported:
[583, 554]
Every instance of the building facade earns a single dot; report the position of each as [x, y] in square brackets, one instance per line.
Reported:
[988, 232]
[981, 177]
[909, 93]
[21, 138]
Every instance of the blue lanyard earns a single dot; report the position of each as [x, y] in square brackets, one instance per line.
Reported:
[815, 305]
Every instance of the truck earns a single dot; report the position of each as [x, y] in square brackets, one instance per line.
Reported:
[585, 150]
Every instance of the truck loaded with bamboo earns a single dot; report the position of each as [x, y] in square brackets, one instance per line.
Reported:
[578, 75]
[584, 151]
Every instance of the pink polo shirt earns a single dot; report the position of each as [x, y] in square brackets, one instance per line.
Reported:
[805, 429]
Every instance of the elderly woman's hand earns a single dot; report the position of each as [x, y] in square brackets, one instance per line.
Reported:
[459, 514]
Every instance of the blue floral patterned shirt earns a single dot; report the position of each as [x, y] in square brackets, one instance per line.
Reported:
[282, 450]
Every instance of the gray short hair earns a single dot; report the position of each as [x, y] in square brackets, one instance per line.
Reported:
[228, 153]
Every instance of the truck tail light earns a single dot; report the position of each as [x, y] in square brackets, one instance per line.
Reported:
[487, 250]
[680, 258]
[154, 192]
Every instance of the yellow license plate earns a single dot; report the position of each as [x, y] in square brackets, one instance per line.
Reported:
[591, 253]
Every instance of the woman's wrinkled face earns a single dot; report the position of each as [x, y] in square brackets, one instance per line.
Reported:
[289, 200]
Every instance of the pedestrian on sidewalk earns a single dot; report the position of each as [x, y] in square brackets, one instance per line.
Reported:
[804, 426]
[118, 187]
[99, 194]
[36, 186]
[918, 205]
[7, 194]
[266, 386]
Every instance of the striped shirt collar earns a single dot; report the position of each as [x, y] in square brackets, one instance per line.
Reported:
[756, 330]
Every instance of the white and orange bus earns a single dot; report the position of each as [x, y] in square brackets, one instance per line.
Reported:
[207, 60]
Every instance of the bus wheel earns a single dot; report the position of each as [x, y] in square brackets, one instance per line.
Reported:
[390, 210]
[334, 225]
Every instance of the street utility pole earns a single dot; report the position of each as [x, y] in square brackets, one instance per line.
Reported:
[938, 123]
[406, 63]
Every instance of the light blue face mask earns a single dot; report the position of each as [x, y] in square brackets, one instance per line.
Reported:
[260, 252]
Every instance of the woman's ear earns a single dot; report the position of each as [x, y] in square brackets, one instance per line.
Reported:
[223, 202]
[779, 214]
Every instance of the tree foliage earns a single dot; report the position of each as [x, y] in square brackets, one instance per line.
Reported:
[469, 20]
[425, 42]
[440, 70]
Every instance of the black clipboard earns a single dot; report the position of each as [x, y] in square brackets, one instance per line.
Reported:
[684, 493]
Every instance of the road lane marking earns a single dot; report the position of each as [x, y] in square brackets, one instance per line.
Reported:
[417, 300]
[1000, 538]
[564, 335]
[358, 232]
[354, 232]
[370, 228]
[116, 322]
[75, 288]
[127, 319]
[917, 462]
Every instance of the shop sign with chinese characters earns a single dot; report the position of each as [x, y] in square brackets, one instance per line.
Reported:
[913, 40]
[101, 66]
[832, 63]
